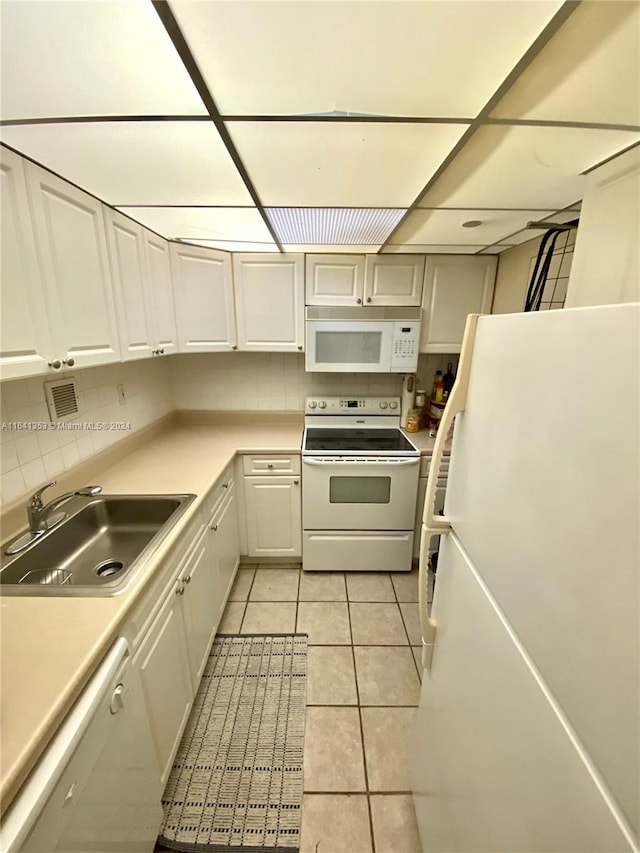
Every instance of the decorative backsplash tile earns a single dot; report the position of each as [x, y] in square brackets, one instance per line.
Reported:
[207, 382]
[29, 457]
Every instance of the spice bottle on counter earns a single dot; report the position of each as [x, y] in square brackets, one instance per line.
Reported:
[413, 420]
[438, 396]
[437, 378]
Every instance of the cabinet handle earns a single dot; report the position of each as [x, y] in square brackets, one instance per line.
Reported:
[180, 590]
[187, 579]
[161, 351]
[213, 527]
[269, 465]
[295, 482]
[56, 364]
[359, 301]
[300, 347]
[225, 485]
[234, 347]
[368, 299]
[68, 361]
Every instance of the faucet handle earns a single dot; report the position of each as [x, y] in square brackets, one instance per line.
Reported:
[36, 497]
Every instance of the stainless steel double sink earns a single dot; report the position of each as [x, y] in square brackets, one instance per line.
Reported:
[96, 550]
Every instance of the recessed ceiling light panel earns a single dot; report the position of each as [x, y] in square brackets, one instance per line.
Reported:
[334, 225]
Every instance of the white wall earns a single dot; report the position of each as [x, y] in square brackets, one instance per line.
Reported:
[515, 267]
[607, 268]
[30, 458]
[275, 381]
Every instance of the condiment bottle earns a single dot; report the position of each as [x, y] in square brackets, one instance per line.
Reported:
[413, 421]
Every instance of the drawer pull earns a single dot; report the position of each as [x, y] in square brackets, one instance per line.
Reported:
[225, 485]
[270, 465]
[295, 482]
[187, 579]
[180, 590]
[214, 527]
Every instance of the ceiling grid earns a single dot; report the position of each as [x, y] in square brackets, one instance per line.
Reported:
[316, 126]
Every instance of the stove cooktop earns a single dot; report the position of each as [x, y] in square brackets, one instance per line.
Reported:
[337, 440]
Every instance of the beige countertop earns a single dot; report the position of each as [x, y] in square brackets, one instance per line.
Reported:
[51, 646]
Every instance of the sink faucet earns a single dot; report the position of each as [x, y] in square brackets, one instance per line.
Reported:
[39, 514]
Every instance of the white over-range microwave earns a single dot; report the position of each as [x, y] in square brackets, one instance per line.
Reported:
[362, 340]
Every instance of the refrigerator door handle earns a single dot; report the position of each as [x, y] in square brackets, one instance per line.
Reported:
[432, 524]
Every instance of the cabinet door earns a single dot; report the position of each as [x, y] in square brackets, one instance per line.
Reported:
[269, 302]
[74, 265]
[199, 590]
[226, 544]
[334, 279]
[130, 286]
[161, 293]
[26, 343]
[203, 293]
[274, 518]
[393, 279]
[164, 670]
[455, 286]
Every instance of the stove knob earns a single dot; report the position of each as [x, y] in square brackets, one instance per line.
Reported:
[322, 404]
[312, 404]
[393, 405]
[383, 405]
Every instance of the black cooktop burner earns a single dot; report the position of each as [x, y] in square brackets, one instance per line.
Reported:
[357, 440]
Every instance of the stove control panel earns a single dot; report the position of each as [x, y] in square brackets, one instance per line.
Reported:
[352, 405]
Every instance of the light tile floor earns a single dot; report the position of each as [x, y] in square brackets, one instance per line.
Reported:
[363, 684]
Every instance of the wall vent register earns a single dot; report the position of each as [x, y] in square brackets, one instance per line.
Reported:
[62, 400]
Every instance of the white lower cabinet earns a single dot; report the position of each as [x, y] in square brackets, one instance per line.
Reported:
[163, 663]
[198, 588]
[225, 545]
[274, 516]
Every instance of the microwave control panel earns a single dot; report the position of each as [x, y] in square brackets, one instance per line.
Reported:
[405, 346]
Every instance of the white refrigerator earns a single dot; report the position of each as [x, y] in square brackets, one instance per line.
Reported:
[527, 732]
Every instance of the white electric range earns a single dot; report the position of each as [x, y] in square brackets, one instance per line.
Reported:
[359, 485]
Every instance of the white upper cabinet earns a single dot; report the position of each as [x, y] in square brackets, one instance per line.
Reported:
[74, 266]
[334, 279]
[203, 290]
[393, 280]
[455, 285]
[26, 343]
[130, 284]
[269, 302]
[160, 293]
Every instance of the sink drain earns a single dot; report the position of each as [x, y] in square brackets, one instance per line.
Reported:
[109, 568]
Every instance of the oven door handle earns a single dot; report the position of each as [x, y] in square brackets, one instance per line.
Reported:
[321, 462]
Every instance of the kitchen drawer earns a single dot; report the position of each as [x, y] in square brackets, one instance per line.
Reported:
[272, 464]
[217, 493]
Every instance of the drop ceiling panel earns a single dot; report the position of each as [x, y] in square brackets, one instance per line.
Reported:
[203, 223]
[383, 58]
[328, 164]
[90, 58]
[130, 163]
[431, 249]
[589, 71]
[234, 245]
[528, 167]
[446, 226]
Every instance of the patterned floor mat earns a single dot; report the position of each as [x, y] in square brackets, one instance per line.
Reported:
[236, 783]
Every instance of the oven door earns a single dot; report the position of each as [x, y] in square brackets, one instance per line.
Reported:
[334, 346]
[359, 494]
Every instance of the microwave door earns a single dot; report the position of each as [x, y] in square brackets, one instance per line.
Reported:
[335, 346]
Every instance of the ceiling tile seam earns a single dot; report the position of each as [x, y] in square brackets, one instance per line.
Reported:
[611, 157]
[488, 121]
[560, 17]
[183, 50]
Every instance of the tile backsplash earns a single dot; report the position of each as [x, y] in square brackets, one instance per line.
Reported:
[30, 457]
[276, 381]
[273, 382]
